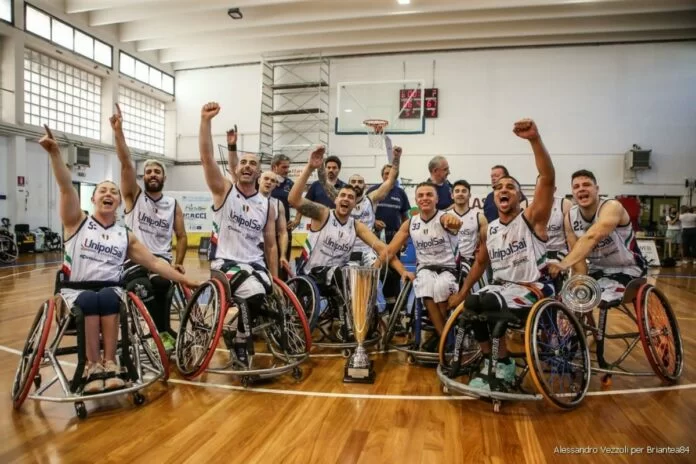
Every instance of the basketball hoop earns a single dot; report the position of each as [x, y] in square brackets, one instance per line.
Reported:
[375, 131]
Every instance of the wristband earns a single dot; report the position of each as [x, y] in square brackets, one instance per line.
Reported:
[232, 147]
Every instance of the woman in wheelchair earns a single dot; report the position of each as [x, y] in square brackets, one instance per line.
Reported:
[95, 250]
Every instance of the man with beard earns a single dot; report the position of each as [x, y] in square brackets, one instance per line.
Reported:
[365, 205]
[332, 234]
[516, 250]
[434, 236]
[316, 192]
[489, 209]
[280, 165]
[601, 231]
[268, 182]
[243, 240]
[473, 229]
[153, 218]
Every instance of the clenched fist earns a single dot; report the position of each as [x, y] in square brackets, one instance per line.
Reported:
[450, 222]
[210, 110]
[526, 129]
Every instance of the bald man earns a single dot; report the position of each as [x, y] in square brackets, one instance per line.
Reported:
[439, 171]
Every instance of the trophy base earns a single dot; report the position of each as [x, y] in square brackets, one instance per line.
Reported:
[359, 374]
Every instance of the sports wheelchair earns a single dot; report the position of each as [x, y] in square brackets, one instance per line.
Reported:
[658, 330]
[554, 353]
[141, 356]
[280, 322]
[8, 246]
[329, 318]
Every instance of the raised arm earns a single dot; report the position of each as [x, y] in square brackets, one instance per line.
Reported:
[381, 192]
[217, 183]
[71, 214]
[475, 274]
[232, 158]
[316, 211]
[451, 223]
[610, 217]
[330, 190]
[269, 243]
[141, 255]
[181, 238]
[540, 209]
[129, 184]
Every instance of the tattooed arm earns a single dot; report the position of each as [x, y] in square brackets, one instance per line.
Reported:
[305, 207]
[380, 193]
[330, 190]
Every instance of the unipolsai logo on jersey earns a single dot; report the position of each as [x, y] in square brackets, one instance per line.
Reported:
[158, 223]
[100, 248]
[514, 247]
[249, 223]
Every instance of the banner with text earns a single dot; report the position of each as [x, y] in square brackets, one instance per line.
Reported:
[198, 210]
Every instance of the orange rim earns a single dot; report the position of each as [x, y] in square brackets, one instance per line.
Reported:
[448, 326]
[153, 332]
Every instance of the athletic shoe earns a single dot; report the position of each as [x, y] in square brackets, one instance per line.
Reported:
[168, 341]
[505, 371]
[113, 382]
[93, 378]
[480, 382]
[240, 352]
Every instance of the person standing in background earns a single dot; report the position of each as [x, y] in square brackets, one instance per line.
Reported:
[316, 192]
[673, 235]
[688, 224]
[439, 170]
[280, 165]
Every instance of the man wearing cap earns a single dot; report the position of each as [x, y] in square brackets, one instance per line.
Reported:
[153, 218]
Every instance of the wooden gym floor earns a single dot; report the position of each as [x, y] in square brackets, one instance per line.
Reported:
[402, 418]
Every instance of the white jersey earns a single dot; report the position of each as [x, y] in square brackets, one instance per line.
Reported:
[95, 253]
[516, 253]
[555, 230]
[468, 235]
[238, 229]
[364, 212]
[331, 245]
[616, 254]
[435, 245]
[152, 222]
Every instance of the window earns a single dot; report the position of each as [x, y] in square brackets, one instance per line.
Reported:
[146, 74]
[56, 31]
[143, 120]
[6, 10]
[66, 98]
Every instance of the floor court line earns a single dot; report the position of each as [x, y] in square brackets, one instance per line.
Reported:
[634, 391]
[27, 272]
[27, 265]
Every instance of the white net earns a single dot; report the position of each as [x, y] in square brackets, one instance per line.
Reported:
[376, 132]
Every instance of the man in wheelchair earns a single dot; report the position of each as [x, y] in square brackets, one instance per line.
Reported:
[516, 250]
[243, 243]
[600, 231]
[434, 236]
[153, 218]
[332, 236]
[95, 250]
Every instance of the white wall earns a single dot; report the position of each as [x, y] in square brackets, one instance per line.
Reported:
[4, 204]
[591, 104]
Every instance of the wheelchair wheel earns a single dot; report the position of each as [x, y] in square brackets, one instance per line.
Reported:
[180, 296]
[298, 339]
[143, 331]
[557, 354]
[8, 250]
[32, 354]
[201, 326]
[458, 348]
[397, 313]
[307, 294]
[659, 333]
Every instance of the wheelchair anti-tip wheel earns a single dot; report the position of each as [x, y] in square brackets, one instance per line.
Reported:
[142, 327]
[557, 354]
[458, 348]
[32, 354]
[659, 333]
[307, 294]
[201, 327]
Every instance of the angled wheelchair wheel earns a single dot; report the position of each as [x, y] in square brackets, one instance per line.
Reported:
[144, 335]
[557, 354]
[397, 313]
[8, 250]
[180, 296]
[292, 337]
[32, 354]
[307, 293]
[200, 329]
[659, 333]
[458, 348]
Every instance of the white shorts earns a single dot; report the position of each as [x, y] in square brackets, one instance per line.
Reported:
[518, 296]
[465, 268]
[434, 285]
[251, 285]
[613, 286]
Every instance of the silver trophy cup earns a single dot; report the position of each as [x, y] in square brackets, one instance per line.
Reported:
[360, 289]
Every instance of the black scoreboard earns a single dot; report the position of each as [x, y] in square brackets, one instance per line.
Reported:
[410, 101]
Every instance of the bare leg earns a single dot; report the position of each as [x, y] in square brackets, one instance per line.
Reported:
[92, 338]
[109, 326]
[435, 315]
[442, 307]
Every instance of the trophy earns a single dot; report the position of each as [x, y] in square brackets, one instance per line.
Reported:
[360, 289]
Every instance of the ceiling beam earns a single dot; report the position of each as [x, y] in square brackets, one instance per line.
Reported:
[606, 24]
[408, 22]
[81, 6]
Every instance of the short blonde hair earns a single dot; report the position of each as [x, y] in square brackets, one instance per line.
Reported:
[158, 163]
